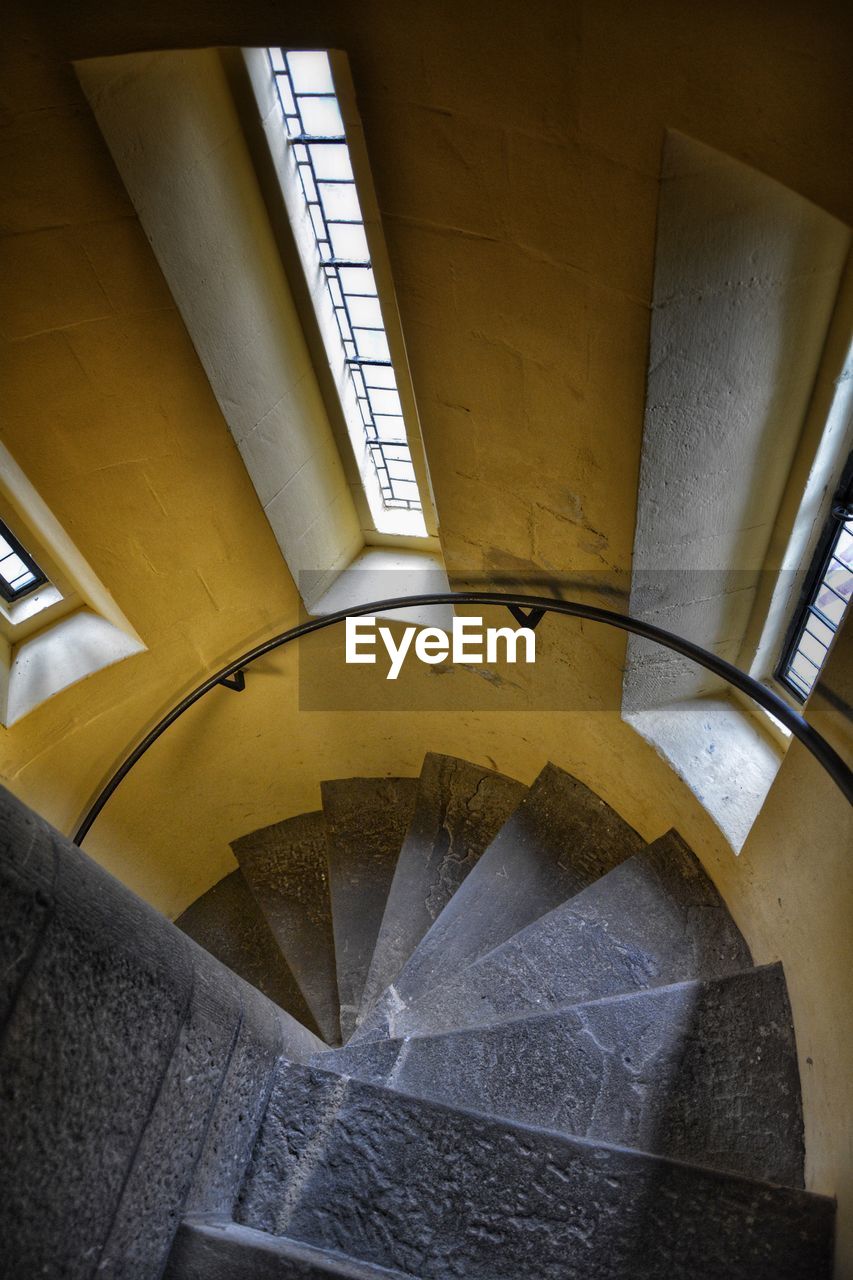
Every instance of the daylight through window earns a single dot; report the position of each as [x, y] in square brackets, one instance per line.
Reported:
[19, 573]
[316, 132]
[827, 597]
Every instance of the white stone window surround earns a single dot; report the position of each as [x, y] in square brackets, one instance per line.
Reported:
[186, 133]
[764, 494]
[306, 81]
[64, 631]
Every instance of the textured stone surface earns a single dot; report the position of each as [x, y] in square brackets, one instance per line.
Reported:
[159, 1179]
[228, 923]
[560, 839]
[655, 919]
[439, 1193]
[131, 1063]
[460, 808]
[83, 1059]
[366, 819]
[228, 1251]
[26, 911]
[285, 867]
[239, 1107]
[702, 1071]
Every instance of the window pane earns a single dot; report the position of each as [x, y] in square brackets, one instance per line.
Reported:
[806, 670]
[343, 323]
[839, 577]
[349, 241]
[358, 280]
[812, 648]
[379, 375]
[321, 117]
[317, 221]
[310, 72]
[830, 606]
[390, 428]
[12, 566]
[331, 160]
[308, 183]
[18, 571]
[399, 469]
[372, 344]
[406, 489]
[365, 311]
[844, 549]
[820, 630]
[287, 99]
[310, 105]
[803, 686]
[384, 401]
[340, 200]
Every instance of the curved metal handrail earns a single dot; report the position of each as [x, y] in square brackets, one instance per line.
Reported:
[233, 674]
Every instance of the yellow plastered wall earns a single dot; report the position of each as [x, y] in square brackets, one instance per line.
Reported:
[516, 161]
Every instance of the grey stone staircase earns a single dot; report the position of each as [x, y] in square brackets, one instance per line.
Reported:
[547, 1050]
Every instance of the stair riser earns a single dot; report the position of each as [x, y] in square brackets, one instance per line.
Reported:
[705, 1072]
[655, 920]
[436, 1192]
[285, 868]
[561, 839]
[459, 810]
[206, 1250]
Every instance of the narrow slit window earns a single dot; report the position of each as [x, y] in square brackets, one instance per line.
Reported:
[316, 133]
[829, 588]
[19, 573]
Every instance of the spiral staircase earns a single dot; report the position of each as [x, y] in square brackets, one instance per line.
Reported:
[542, 1049]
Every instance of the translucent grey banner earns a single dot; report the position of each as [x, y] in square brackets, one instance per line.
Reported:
[453, 656]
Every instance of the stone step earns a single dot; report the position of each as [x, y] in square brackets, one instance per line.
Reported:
[285, 867]
[701, 1071]
[438, 1191]
[228, 923]
[206, 1250]
[654, 920]
[366, 821]
[460, 808]
[560, 839]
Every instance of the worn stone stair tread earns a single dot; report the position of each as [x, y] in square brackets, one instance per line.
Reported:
[205, 1250]
[366, 821]
[285, 867]
[560, 839]
[228, 923]
[437, 1190]
[459, 809]
[653, 920]
[700, 1071]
